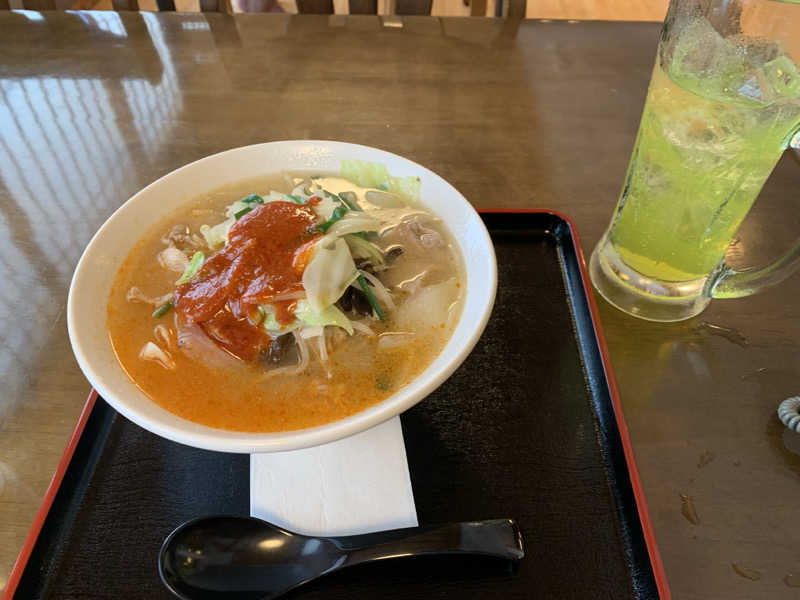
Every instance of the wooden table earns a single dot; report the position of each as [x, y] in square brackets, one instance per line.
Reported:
[93, 106]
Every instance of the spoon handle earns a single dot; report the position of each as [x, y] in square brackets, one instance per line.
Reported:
[499, 538]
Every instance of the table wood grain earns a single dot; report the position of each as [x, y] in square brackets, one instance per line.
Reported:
[93, 106]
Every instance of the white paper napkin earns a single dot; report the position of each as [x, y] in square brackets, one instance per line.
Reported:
[356, 485]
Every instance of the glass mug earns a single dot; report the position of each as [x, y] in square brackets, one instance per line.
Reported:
[722, 106]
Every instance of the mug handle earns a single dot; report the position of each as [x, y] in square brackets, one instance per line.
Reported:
[726, 282]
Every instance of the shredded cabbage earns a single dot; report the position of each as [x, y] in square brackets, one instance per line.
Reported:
[328, 273]
[364, 249]
[331, 315]
[404, 186]
[300, 190]
[304, 316]
[274, 196]
[353, 222]
[384, 199]
[234, 208]
[331, 268]
[375, 175]
[217, 236]
[325, 207]
[271, 324]
[365, 173]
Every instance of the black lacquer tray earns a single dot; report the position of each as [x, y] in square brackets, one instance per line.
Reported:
[529, 427]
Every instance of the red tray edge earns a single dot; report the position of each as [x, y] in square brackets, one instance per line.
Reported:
[622, 426]
[47, 500]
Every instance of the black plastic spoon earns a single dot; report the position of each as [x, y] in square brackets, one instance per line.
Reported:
[246, 558]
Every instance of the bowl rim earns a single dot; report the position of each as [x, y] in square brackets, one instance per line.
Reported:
[209, 438]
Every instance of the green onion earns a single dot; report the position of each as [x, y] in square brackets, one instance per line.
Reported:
[242, 212]
[351, 204]
[192, 268]
[295, 198]
[337, 214]
[163, 309]
[373, 301]
[383, 382]
[252, 199]
[343, 197]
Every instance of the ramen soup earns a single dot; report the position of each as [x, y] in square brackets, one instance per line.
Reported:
[287, 301]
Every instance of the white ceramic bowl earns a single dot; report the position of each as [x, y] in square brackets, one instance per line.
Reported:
[95, 272]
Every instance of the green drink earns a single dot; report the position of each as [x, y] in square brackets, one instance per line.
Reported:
[719, 113]
[705, 146]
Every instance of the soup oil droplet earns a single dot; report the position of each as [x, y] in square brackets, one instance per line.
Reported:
[688, 510]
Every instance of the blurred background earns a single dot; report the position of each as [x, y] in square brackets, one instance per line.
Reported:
[625, 10]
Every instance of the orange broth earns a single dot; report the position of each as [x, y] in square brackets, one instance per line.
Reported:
[222, 391]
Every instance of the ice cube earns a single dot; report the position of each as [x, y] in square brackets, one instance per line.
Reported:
[782, 74]
[751, 89]
[701, 50]
[711, 65]
[757, 87]
[697, 48]
[756, 50]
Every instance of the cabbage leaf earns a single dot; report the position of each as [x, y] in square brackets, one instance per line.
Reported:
[217, 236]
[328, 273]
[304, 316]
[364, 249]
[331, 315]
[375, 175]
